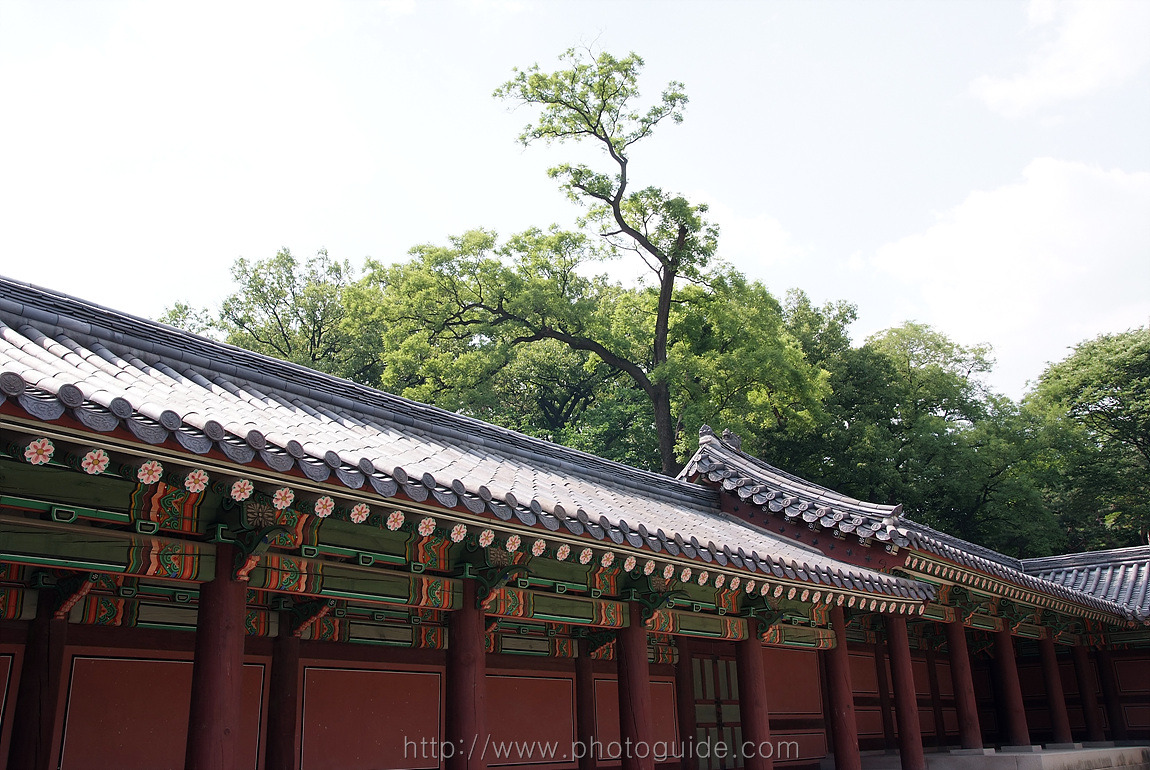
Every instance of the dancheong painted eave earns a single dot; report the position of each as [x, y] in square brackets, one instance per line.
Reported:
[107, 370]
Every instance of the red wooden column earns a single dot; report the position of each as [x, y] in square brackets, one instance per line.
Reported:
[842, 697]
[755, 710]
[585, 705]
[466, 708]
[1086, 692]
[217, 671]
[636, 725]
[283, 700]
[1017, 731]
[969, 731]
[1109, 684]
[1055, 697]
[905, 701]
[889, 740]
[685, 701]
[38, 699]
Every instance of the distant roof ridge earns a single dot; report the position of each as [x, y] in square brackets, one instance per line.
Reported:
[76, 316]
[813, 489]
[1088, 558]
[954, 541]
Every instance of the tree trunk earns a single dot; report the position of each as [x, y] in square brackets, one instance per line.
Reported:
[665, 428]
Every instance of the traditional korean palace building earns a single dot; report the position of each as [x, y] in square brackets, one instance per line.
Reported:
[213, 559]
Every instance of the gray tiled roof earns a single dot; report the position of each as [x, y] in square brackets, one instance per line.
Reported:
[722, 462]
[1121, 575]
[110, 370]
[795, 499]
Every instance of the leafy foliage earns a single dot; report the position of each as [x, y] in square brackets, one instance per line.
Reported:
[524, 333]
[1096, 404]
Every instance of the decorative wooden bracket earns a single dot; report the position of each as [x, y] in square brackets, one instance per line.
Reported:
[307, 614]
[652, 601]
[491, 579]
[969, 604]
[1016, 614]
[596, 640]
[71, 590]
[251, 544]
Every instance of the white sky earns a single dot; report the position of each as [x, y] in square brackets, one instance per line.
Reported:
[980, 166]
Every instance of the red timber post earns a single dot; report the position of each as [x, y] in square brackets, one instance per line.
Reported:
[889, 741]
[1055, 697]
[466, 709]
[283, 700]
[846, 742]
[969, 731]
[905, 701]
[685, 702]
[585, 705]
[1017, 731]
[636, 726]
[1109, 684]
[1086, 692]
[217, 670]
[38, 698]
[755, 711]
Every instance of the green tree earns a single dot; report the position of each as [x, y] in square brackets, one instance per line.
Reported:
[593, 100]
[283, 308]
[1097, 406]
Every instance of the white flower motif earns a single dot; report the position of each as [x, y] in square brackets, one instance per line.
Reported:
[513, 543]
[426, 526]
[779, 591]
[805, 595]
[324, 507]
[283, 498]
[585, 556]
[668, 572]
[242, 490]
[750, 588]
[40, 451]
[563, 552]
[791, 593]
[649, 567]
[486, 538]
[685, 575]
[458, 532]
[703, 577]
[150, 472]
[196, 481]
[95, 462]
[766, 589]
[607, 560]
[538, 547]
[736, 581]
[720, 579]
[629, 564]
[360, 513]
[395, 520]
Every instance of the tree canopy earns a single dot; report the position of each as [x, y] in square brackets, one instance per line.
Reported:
[526, 332]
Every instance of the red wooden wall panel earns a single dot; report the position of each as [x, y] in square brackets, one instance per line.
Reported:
[364, 719]
[132, 713]
[528, 713]
[607, 711]
[793, 685]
